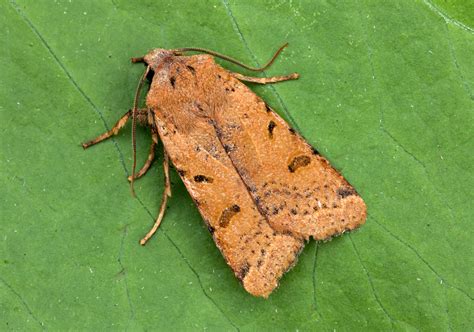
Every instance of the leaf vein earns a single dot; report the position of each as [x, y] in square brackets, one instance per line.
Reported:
[446, 18]
[369, 278]
[441, 279]
[452, 51]
[315, 303]
[22, 300]
[127, 291]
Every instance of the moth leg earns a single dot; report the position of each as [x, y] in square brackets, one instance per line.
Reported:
[114, 131]
[150, 159]
[141, 113]
[164, 200]
[265, 80]
[137, 59]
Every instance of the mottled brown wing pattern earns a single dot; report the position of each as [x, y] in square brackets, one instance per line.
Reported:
[258, 254]
[293, 185]
[259, 186]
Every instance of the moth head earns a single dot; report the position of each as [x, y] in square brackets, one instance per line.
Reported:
[157, 56]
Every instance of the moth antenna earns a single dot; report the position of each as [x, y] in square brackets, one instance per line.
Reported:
[134, 126]
[228, 58]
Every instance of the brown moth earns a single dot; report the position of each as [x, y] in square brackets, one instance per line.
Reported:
[260, 187]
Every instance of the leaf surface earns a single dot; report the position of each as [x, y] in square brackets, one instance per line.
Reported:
[386, 94]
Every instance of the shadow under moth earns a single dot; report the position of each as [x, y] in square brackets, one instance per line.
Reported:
[262, 190]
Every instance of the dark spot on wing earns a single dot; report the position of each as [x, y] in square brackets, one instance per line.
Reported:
[292, 131]
[244, 269]
[345, 191]
[271, 126]
[172, 81]
[203, 178]
[181, 172]
[298, 162]
[252, 188]
[211, 229]
[268, 108]
[199, 107]
[227, 214]
[191, 69]
[218, 130]
[315, 152]
[229, 147]
[257, 200]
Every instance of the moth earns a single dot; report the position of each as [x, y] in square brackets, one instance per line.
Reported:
[262, 190]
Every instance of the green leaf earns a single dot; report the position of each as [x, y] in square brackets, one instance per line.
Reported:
[386, 94]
